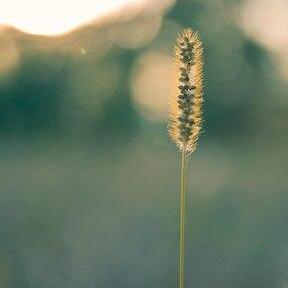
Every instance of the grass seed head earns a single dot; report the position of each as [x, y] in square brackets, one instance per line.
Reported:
[187, 92]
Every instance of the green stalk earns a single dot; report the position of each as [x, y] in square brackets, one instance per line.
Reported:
[182, 219]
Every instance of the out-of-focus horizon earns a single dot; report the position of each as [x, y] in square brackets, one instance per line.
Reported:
[88, 177]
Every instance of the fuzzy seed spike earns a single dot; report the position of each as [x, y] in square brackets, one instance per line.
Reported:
[187, 92]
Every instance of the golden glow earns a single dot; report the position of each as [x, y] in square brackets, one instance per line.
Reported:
[56, 17]
[9, 55]
[266, 21]
[150, 85]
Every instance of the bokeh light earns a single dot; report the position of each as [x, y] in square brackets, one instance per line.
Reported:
[266, 21]
[150, 85]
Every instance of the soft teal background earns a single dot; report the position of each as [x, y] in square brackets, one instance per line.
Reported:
[89, 185]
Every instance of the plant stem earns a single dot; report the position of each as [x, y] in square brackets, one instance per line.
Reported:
[182, 218]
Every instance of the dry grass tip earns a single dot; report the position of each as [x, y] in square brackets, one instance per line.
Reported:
[185, 117]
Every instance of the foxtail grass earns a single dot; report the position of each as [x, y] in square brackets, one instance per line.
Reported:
[185, 116]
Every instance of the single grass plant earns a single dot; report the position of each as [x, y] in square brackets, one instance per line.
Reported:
[185, 116]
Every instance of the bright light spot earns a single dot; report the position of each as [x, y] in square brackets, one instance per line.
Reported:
[266, 21]
[151, 85]
[58, 16]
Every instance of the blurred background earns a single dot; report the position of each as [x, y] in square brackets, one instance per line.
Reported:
[88, 177]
